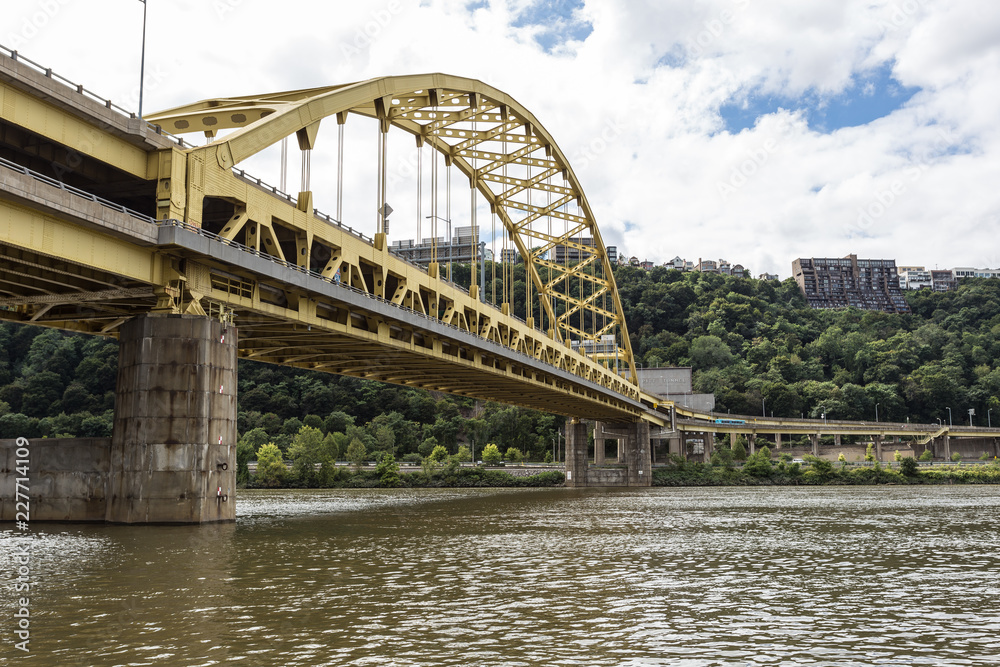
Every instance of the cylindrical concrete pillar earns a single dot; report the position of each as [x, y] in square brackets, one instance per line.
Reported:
[173, 448]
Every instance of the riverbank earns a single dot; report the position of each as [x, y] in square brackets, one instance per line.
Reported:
[822, 473]
[688, 474]
[447, 477]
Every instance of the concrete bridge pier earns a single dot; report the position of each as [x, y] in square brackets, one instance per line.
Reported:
[814, 440]
[878, 447]
[777, 441]
[635, 449]
[576, 453]
[173, 446]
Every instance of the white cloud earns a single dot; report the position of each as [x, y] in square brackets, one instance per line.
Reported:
[654, 72]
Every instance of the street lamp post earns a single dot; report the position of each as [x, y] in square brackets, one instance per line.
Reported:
[972, 411]
[763, 409]
[876, 412]
[989, 424]
[949, 418]
[142, 61]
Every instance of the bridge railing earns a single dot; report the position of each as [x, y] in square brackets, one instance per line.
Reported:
[48, 72]
[75, 191]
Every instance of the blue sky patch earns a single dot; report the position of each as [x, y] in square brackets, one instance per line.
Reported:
[556, 17]
[871, 95]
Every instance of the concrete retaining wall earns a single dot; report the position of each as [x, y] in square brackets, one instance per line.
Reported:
[67, 479]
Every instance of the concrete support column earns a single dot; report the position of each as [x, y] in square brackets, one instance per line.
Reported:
[752, 443]
[836, 440]
[814, 439]
[709, 446]
[173, 447]
[576, 453]
[732, 439]
[777, 441]
[638, 458]
[621, 451]
[598, 443]
[675, 445]
[878, 448]
[947, 447]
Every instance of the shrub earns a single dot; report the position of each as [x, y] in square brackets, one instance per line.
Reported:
[908, 466]
[956, 457]
[927, 455]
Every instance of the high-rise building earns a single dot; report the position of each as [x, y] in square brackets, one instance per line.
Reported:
[869, 284]
[565, 254]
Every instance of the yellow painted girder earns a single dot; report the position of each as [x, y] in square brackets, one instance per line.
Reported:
[76, 134]
[288, 113]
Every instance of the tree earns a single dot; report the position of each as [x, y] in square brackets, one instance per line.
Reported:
[927, 455]
[427, 446]
[463, 454]
[869, 453]
[491, 454]
[385, 439]
[842, 459]
[356, 453]
[709, 352]
[308, 451]
[908, 466]
[514, 455]
[388, 471]
[271, 470]
[438, 454]
[956, 457]
[739, 450]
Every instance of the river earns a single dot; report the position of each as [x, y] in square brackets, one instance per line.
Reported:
[689, 576]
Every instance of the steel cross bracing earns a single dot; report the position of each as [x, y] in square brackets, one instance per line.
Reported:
[467, 121]
[84, 262]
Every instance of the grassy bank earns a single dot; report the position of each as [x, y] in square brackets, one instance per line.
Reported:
[820, 473]
[457, 477]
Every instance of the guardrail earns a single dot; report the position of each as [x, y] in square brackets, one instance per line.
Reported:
[58, 78]
[75, 191]
[215, 237]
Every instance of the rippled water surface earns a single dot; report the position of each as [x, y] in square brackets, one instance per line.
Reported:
[829, 576]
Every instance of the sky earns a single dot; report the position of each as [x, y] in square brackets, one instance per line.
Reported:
[755, 131]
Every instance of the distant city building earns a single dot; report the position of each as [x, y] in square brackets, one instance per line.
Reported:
[943, 280]
[914, 277]
[647, 265]
[869, 284]
[739, 271]
[509, 256]
[707, 266]
[568, 255]
[461, 249]
[633, 261]
[768, 276]
[612, 251]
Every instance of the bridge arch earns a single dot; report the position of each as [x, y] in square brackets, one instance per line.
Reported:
[510, 159]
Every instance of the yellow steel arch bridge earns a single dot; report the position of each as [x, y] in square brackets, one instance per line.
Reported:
[105, 216]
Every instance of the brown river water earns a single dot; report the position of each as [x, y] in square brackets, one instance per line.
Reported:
[687, 577]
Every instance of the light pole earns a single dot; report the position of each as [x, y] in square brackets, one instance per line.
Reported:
[949, 418]
[972, 411]
[823, 417]
[142, 62]
[763, 409]
[876, 412]
[989, 424]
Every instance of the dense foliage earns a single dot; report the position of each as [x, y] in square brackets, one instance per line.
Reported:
[748, 341]
[761, 470]
[751, 341]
